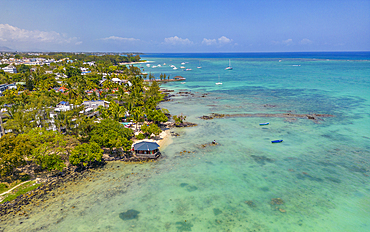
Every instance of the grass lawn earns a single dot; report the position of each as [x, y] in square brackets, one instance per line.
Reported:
[19, 191]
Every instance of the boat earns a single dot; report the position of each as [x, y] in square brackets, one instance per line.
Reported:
[277, 141]
[183, 63]
[219, 83]
[188, 69]
[229, 68]
[199, 65]
[148, 65]
[182, 67]
[183, 82]
[174, 68]
[264, 124]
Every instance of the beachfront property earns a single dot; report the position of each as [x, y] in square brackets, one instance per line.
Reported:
[146, 150]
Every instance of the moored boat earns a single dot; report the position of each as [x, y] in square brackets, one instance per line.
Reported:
[264, 124]
[277, 141]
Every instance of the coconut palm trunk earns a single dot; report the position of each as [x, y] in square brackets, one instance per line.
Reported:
[2, 126]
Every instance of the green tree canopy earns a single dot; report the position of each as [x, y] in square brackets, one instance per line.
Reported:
[50, 148]
[151, 129]
[13, 151]
[111, 134]
[86, 153]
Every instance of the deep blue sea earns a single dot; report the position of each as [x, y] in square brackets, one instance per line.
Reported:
[317, 179]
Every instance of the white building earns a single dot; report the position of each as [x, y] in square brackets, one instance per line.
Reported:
[10, 69]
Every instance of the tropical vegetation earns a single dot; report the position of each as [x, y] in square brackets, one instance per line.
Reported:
[37, 134]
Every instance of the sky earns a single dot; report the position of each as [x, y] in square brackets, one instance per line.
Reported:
[161, 26]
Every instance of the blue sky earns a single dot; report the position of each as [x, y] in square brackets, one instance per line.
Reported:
[185, 26]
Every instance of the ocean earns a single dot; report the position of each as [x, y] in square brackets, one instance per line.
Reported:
[317, 179]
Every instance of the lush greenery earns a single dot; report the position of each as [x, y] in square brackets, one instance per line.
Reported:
[179, 119]
[52, 139]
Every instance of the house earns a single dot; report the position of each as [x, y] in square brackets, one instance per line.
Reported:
[10, 69]
[118, 81]
[146, 149]
[95, 104]
[62, 106]
[3, 87]
[60, 89]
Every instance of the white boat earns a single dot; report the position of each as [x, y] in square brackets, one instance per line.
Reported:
[183, 63]
[164, 63]
[229, 68]
[182, 67]
[188, 69]
[174, 68]
[154, 66]
[159, 65]
[148, 65]
[219, 83]
[183, 82]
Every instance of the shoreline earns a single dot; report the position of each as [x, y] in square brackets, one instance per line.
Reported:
[69, 175]
[163, 141]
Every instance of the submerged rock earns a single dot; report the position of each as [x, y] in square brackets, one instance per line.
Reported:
[184, 226]
[217, 211]
[129, 214]
[276, 201]
[250, 204]
[262, 159]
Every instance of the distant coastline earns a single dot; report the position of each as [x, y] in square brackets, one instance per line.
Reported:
[352, 55]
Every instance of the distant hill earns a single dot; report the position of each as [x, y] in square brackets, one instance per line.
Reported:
[5, 49]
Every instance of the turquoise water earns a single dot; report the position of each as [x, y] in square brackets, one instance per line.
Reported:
[321, 170]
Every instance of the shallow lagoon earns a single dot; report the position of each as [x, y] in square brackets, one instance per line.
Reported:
[321, 170]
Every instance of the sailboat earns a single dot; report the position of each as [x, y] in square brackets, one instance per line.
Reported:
[229, 68]
[199, 65]
[219, 83]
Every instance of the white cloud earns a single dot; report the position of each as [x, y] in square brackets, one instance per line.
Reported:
[209, 41]
[116, 38]
[283, 42]
[287, 42]
[177, 41]
[220, 41]
[224, 40]
[13, 34]
[306, 41]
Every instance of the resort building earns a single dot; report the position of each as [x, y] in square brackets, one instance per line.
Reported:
[146, 150]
